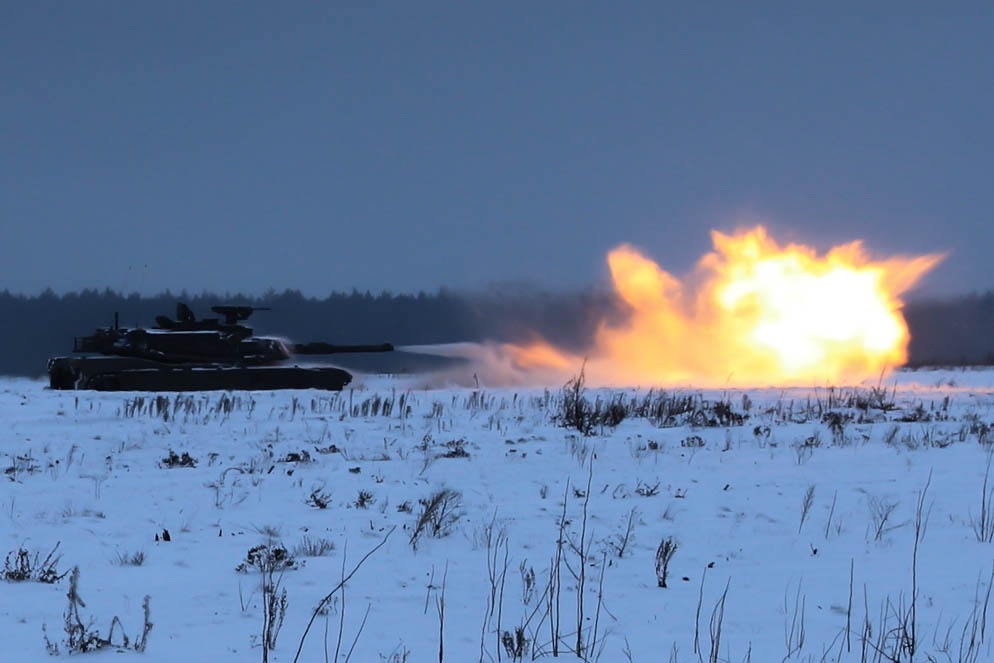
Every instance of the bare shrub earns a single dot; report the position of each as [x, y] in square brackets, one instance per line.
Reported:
[81, 638]
[136, 558]
[516, 646]
[274, 605]
[267, 557]
[831, 514]
[21, 464]
[881, 511]
[809, 499]
[664, 553]
[620, 542]
[455, 449]
[21, 566]
[309, 547]
[398, 655]
[983, 524]
[575, 411]
[837, 422]
[174, 460]
[270, 560]
[715, 626]
[528, 582]
[647, 490]
[794, 632]
[364, 499]
[440, 511]
[493, 537]
[319, 499]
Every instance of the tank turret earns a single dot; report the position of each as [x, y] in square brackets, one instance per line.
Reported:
[191, 354]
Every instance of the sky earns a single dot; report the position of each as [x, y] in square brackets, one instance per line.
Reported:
[400, 147]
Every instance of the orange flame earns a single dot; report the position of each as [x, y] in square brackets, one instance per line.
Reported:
[753, 313]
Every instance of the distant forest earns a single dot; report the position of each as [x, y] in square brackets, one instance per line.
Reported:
[32, 329]
[957, 331]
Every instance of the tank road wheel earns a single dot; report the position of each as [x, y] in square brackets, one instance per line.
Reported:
[101, 382]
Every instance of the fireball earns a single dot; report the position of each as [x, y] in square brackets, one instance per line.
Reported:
[752, 313]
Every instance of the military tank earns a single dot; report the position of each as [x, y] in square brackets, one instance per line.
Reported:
[190, 354]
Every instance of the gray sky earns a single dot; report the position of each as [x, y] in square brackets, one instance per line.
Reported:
[238, 146]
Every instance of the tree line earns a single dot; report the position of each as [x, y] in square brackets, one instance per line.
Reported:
[34, 328]
[955, 331]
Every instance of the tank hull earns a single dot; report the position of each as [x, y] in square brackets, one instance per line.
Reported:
[132, 374]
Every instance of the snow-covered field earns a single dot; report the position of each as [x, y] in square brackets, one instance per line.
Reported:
[725, 475]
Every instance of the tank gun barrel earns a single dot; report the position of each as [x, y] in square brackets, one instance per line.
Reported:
[319, 348]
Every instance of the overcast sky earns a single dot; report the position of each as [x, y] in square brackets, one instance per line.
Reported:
[406, 146]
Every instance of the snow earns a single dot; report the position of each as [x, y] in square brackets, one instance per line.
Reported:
[87, 470]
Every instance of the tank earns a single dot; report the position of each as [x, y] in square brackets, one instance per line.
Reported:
[190, 354]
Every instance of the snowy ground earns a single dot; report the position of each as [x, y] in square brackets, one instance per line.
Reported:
[838, 581]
